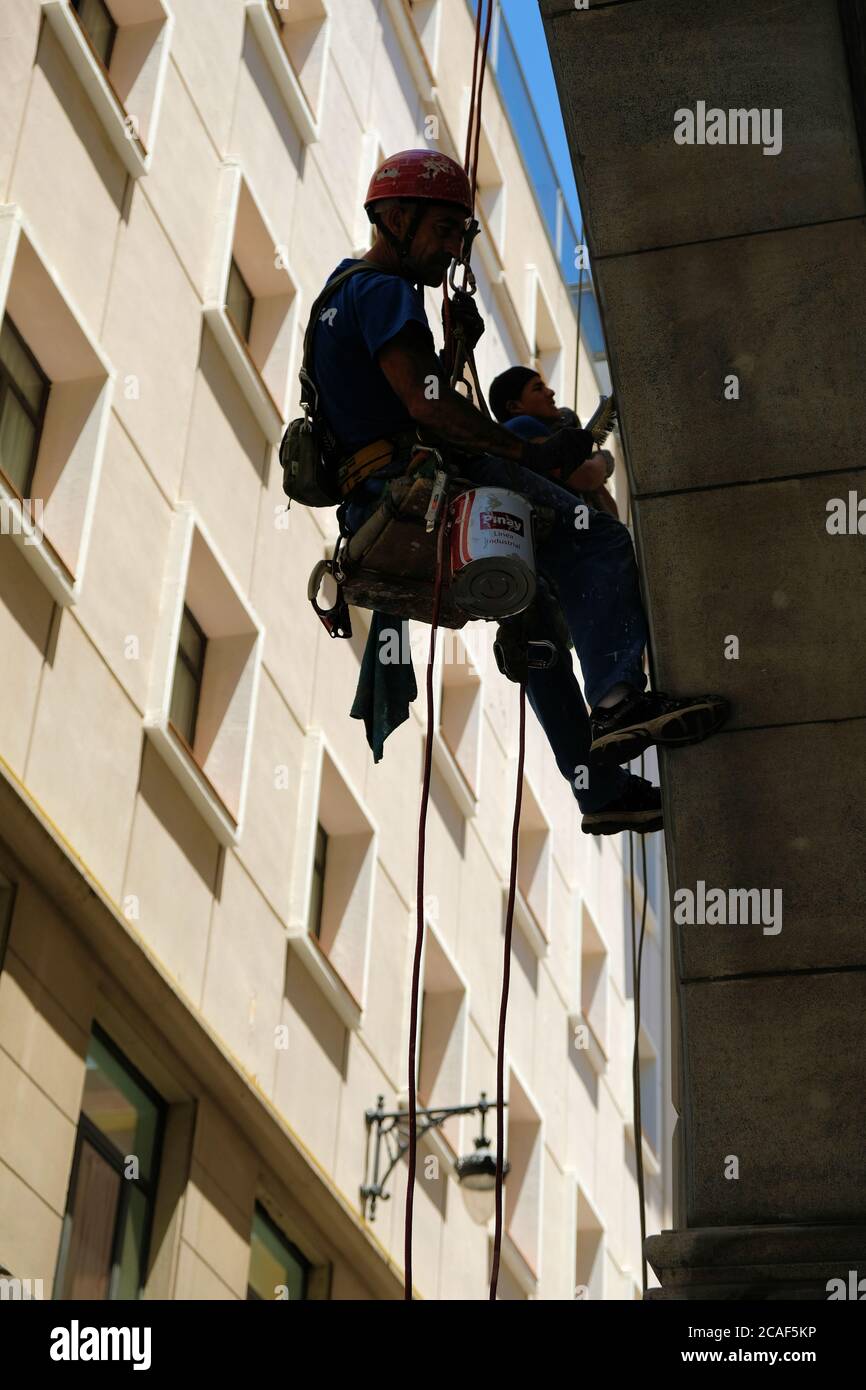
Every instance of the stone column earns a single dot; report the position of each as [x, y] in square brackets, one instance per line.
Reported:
[732, 280]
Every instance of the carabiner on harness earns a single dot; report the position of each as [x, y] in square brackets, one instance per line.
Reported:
[336, 620]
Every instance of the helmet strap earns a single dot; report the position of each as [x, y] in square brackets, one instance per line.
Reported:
[404, 246]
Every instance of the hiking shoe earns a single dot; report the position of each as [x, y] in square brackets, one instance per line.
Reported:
[639, 809]
[644, 717]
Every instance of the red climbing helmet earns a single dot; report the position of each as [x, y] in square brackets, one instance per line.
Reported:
[421, 174]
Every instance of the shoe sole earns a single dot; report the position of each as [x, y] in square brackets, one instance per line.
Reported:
[612, 822]
[622, 745]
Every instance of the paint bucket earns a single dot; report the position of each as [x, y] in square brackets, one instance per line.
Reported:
[492, 554]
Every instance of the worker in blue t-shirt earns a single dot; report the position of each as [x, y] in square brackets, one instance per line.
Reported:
[379, 379]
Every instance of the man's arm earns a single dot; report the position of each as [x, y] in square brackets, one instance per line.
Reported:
[415, 375]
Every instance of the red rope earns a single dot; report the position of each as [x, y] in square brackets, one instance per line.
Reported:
[474, 85]
[503, 1006]
[419, 912]
[474, 180]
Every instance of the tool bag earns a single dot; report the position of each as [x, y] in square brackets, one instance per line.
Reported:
[309, 452]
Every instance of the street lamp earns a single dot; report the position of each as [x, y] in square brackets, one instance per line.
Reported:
[476, 1172]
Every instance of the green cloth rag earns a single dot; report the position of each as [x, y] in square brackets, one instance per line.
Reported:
[386, 688]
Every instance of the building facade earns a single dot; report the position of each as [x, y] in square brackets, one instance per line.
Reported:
[206, 884]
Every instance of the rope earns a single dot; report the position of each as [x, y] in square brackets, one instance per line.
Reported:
[471, 159]
[637, 959]
[419, 910]
[503, 1006]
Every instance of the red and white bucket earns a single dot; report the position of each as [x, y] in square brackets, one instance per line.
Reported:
[492, 553]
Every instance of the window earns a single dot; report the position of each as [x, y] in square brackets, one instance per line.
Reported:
[118, 49]
[109, 1206]
[459, 719]
[545, 337]
[277, 1267]
[534, 870]
[203, 688]
[444, 1028]
[98, 25]
[523, 1197]
[55, 400]
[317, 891]
[589, 1253]
[239, 302]
[331, 902]
[251, 301]
[294, 36]
[188, 675]
[426, 17]
[592, 1013]
[491, 193]
[24, 391]
[649, 1091]
[7, 902]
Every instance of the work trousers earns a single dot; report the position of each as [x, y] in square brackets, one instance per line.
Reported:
[590, 559]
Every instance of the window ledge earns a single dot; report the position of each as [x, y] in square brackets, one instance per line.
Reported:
[518, 1266]
[201, 793]
[337, 993]
[245, 372]
[96, 84]
[529, 924]
[282, 71]
[446, 764]
[595, 1052]
[651, 1161]
[23, 525]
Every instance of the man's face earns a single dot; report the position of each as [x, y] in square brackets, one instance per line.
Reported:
[438, 241]
[537, 399]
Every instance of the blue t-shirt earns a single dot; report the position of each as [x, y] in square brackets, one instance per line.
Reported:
[364, 314]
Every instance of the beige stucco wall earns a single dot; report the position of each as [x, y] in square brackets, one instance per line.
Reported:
[212, 924]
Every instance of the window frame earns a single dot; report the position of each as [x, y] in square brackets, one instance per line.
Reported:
[7, 383]
[198, 676]
[296, 1253]
[87, 1130]
[235, 270]
[115, 29]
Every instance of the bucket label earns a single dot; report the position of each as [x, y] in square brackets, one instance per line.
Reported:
[502, 521]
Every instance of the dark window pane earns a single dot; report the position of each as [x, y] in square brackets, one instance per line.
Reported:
[317, 891]
[188, 675]
[92, 1218]
[184, 702]
[239, 301]
[17, 444]
[192, 641]
[118, 1107]
[274, 1262]
[132, 1244]
[23, 397]
[7, 899]
[101, 29]
[21, 368]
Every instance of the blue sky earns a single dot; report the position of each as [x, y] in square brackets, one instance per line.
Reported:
[527, 31]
